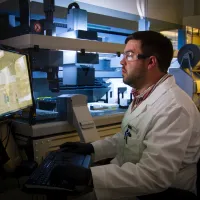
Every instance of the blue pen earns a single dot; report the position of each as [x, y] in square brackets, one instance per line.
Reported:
[127, 134]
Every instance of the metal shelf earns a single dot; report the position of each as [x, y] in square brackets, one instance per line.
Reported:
[60, 43]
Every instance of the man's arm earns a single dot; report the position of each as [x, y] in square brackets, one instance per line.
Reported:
[166, 143]
[106, 148]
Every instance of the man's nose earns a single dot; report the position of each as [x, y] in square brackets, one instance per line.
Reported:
[122, 62]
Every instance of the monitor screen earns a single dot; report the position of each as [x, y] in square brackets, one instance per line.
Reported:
[15, 85]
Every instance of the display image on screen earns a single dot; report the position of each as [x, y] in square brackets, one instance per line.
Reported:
[15, 87]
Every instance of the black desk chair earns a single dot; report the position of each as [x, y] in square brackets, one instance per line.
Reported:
[174, 193]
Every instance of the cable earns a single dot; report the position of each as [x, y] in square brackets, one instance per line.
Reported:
[71, 5]
[1, 135]
[139, 9]
[8, 133]
[2, 140]
[8, 136]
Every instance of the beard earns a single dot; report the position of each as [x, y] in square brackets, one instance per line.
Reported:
[135, 79]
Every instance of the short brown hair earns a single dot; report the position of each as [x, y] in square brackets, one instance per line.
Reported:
[155, 44]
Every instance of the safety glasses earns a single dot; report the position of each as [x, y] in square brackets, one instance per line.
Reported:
[131, 56]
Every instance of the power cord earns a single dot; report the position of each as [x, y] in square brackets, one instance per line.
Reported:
[2, 140]
[9, 131]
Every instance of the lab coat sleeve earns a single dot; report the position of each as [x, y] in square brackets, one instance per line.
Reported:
[166, 142]
[105, 148]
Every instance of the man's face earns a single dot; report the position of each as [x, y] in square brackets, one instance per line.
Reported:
[134, 70]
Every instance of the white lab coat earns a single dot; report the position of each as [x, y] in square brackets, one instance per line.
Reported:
[162, 151]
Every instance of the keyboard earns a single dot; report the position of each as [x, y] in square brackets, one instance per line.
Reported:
[39, 179]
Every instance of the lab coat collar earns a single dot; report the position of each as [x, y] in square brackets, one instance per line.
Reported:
[155, 95]
[160, 90]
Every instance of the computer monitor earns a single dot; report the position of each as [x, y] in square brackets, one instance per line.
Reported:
[15, 82]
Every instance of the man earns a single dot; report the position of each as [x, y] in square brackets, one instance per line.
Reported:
[159, 143]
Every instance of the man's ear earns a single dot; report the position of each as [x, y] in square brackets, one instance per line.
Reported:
[152, 62]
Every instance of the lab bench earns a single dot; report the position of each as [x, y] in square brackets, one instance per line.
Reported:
[39, 139]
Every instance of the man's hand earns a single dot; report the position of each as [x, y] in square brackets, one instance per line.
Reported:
[71, 173]
[78, 147]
